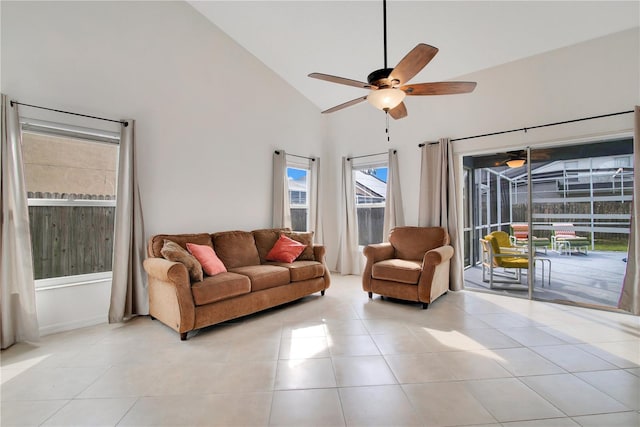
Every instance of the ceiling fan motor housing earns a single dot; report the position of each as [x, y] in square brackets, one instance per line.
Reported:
[380, 78]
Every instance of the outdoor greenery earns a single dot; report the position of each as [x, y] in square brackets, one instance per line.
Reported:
[611, 245]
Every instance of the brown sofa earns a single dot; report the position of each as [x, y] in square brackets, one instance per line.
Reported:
[412, 266]
[250, 284]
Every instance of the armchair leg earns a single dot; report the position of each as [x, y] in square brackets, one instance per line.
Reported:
[183, 336]
[322, 292]
[370, 295]
[425, 305]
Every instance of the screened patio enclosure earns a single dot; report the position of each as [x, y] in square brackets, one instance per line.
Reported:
[587, 188]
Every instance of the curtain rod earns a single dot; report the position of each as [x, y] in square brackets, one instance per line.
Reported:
[313, 159]
[368, 155]
[525, 129]
[122, 122]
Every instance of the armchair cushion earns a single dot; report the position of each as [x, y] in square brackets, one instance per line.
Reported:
[397, 270]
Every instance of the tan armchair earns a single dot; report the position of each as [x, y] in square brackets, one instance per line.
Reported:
[412, 266]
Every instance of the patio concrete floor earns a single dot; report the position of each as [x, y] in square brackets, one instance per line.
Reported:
[593, 279]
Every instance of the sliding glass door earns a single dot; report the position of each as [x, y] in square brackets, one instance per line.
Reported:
[578, 198]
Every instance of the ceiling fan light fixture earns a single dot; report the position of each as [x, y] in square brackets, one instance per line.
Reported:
[516, 163]
[386, 99]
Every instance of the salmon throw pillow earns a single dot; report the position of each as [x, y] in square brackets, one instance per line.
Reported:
[211, 264]
[285, 250]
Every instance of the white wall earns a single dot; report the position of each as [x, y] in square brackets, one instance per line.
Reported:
[208, 114]
[596, 77]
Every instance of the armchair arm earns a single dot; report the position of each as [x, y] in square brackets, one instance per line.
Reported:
[378, 252]
[374, 253]
[434, 280]
[438, 255]
[170, 297]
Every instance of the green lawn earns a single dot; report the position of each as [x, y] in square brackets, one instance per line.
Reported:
[611, 245]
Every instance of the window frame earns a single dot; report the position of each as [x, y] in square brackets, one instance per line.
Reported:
[88, 135]
[379, 163]
[300, 164]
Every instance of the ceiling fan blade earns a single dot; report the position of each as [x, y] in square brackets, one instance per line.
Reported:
[399, 112]
[439, 88]
[341, 80]
[413, 62]
[345, 105]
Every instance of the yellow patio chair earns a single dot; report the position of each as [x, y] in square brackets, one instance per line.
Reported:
[498, 261]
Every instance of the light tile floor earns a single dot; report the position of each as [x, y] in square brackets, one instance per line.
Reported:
[341, 359]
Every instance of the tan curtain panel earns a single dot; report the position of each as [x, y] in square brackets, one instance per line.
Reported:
[438, 202]
[281, 211]
[348, 254]
[393, 212]
[129, 294]
[315, 204]
[18, 316]
[630, 296]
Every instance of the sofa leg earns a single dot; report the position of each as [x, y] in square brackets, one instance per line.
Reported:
[322, 292]
[425, 305]
[370, 295]
[183, 336]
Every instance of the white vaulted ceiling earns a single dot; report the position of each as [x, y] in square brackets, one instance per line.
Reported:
[345, 38]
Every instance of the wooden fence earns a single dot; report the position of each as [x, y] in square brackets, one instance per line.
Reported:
[71, 239]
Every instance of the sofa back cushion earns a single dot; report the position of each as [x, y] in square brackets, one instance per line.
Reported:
[412, 242]
[265, 239]
[156, 242]
[306, 238]
[236, 248]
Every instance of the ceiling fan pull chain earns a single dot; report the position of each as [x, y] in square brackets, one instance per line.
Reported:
[387, 129]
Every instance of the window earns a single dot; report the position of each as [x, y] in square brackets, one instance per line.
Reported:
[299, 197]
[370, 192]
[71, 183]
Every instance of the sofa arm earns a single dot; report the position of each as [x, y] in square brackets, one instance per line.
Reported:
[434, 280]
[319, 252]
[170, 297]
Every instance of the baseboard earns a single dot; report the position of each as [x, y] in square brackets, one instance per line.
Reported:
[68, 326]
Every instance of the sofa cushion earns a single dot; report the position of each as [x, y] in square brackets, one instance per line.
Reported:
[156, 242]
[264, 276]
[219, 287]
[236, 248]
[205, 254]
[265, 239]
[397, 270]
[307, 240]
[302, 270]
[174, 252]
[285, 250]
[414, 242]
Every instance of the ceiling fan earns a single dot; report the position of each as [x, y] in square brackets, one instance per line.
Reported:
[518, 158]
[388, 86]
